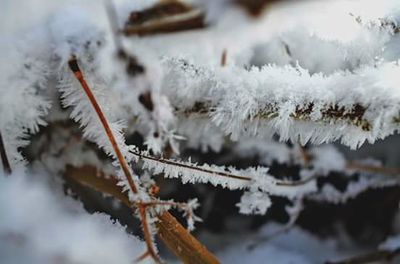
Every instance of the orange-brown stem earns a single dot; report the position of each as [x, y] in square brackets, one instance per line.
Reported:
[73, 64]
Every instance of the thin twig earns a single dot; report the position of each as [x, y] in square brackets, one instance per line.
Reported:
[220, 173]
[73, 64]
[4, 158]
[182, 165]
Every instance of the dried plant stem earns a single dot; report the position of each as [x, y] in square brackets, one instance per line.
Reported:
[166, 220]
[4, 158]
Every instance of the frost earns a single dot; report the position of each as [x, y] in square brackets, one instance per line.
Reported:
[23, 104]
[254, 203]
[295, 246]
[327, 159]
[257, 180]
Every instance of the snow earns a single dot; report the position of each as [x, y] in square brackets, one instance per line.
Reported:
[392, 243]
[294, 246]
[40, 226]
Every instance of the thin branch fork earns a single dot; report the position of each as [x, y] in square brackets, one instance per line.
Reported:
[187, 248]
[166, 220]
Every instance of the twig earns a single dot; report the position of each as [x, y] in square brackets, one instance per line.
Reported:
[4, 158]
[219, 173]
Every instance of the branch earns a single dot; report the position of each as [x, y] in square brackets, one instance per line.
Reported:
[353, 116]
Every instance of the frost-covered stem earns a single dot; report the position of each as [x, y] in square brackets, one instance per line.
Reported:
[353, 115]
[147, 235]
[181, 165]
[73, 64]
[218, 173]
[4, 158]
